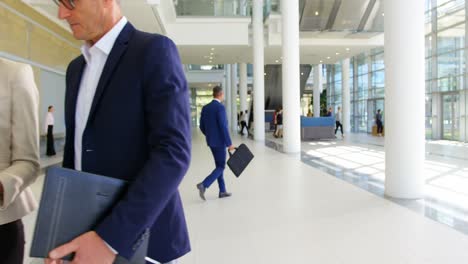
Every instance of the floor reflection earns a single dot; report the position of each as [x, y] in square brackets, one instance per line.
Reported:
[360, 160]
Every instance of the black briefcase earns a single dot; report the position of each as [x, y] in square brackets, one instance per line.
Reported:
[240, 159]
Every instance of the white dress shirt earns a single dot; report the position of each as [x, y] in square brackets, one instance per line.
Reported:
[96, 58]
[49, 121]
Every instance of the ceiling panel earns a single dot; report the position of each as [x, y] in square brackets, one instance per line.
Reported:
[350, 14]
[342, 15]
[377, 17]
[315, 14]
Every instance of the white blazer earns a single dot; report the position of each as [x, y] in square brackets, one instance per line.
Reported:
[19, 140]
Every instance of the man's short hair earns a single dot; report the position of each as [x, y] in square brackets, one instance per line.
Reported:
[217, 91]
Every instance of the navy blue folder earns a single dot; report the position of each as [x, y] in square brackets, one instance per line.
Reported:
[72, 204]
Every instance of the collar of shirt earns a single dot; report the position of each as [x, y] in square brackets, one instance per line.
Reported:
[105, 44]
[216, 99]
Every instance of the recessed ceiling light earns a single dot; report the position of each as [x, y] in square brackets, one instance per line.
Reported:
[337, 53]
[211, 53]
[383, 14]
[210, 61]
[302, 73]
[265, 74]
[328, 57]
[277, 61]
[316, 13]
[321, 61]
[212, 48]
[211, 58]
[347, 49]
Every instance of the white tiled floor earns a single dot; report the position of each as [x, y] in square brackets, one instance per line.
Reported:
[284, 211]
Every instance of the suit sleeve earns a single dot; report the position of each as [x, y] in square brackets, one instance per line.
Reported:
[167, 111]
[24, 168]
[223, 126]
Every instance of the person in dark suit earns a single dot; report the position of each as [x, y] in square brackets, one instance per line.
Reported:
[147, 142]
[214, 125]
[378, 121]
[49, 129]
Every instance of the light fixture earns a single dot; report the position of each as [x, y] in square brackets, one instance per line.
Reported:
[211, 53]
[265, 74]
[206, 67]
[211, 58]
[209, 85]
[212, 49]
[316, 13]
[302, 73]
[337, 53]
[210, 61]
[347, 49]
[277, 61]
[383, 14]
[321, 61]
[328, 57]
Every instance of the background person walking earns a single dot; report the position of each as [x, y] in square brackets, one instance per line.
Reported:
[49, 129]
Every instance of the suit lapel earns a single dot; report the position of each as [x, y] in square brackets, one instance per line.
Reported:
[75, 82]
[113, 60]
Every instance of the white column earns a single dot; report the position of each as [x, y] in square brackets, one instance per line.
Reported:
[318, 86]
[243, 87]
[227, 94]
[346, 96]
[234, 97]
[291, 77]
[259, 71]
[404, 99]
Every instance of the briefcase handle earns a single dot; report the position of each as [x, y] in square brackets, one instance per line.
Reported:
[230, 154]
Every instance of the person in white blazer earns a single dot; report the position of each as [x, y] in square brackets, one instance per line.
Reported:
[19, 155]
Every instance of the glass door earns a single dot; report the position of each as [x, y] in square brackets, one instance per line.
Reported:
[451, 116]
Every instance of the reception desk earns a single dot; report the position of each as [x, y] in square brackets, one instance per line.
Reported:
[313, 128]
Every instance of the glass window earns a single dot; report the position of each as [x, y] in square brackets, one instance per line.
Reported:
[363, 86]
[451, 39]
[451, 14]
[451, 64]
[378, 62]
[450, 83]
[363, 67]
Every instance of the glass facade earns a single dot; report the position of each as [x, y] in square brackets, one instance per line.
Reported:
[446, 77]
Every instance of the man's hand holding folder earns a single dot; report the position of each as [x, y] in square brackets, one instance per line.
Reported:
[88, 248]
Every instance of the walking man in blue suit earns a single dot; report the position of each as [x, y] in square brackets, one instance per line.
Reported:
[214, 125]
[127, 116]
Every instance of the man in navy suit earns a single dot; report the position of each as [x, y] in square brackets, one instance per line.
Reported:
[127, 117]
[214, 125]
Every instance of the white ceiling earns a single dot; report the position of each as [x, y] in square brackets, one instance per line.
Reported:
[315, 47]
[273, 55]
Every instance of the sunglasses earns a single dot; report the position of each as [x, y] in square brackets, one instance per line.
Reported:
[69, 4]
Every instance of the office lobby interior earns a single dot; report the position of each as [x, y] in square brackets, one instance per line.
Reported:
[312, 194]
